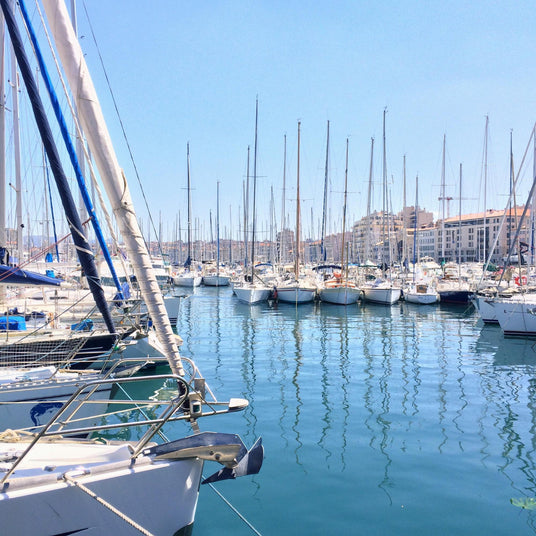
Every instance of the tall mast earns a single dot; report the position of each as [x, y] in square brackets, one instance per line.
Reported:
[297, 253]
[254, 191]
[344, 206]
[218, 228]
[325, 205]
[485, 244]
[189, 223]
[246, 215]
[16, 143]
[404, 218]
[416, 226]
[282, 257]
[443, 200]
[384, 197]
[369, 201]
[460, 224]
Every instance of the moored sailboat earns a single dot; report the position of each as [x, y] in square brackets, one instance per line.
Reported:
[339, 289]
[296, 289]
[58, 479]
[252, 289]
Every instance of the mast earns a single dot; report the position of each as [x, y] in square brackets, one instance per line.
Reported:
[404, 219]
[16, 144]
[415, 226]
[188, 263]
[218, 229]
[254, 192]
[460, 226]
[297, 253]
[82, 246]
[443, 199]
[369, 201]
[485, 249]
[73, 153]
[282, 257]
[246, 215]
[116, 186]
[344, 210]
[325, 205]
[384, 198]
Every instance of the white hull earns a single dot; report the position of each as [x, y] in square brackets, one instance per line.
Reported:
[340, 295]
[216, 280]
[29, 402]
[252, 295]
[421, 299]
[516, 316]
[166, 490]
[296, 294]
[485, 308]
[187, 280]
[383, 295]
[421, 295]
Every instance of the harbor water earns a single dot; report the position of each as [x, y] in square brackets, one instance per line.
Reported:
[403, 420]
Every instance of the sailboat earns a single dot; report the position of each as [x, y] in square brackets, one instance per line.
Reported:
[93, 486]
[419, 291]
[451, 288]
[187, 277]
[339, 289]
[252, 289]
[382, 290]
[295, 289]
[215, 278]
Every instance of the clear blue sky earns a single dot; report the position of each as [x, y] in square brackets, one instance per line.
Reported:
[190, 72]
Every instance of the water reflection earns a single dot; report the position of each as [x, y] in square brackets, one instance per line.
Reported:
[400, 398]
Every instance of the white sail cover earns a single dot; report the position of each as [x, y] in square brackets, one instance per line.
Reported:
[98, 137]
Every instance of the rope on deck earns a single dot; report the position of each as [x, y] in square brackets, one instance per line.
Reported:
[107, 505]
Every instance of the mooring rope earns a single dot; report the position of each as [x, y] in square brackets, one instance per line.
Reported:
[254, 530]
[107, 505]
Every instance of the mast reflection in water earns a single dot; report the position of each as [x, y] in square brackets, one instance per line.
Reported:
[376, 420]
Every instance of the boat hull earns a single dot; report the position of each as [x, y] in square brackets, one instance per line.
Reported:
[59, 507]
[421, 298]
[30, 404]
[216, 280]
[252, 295]
[516, 317]
[384, 296]
[485, 308]
[340, 295]
[461, 297]
[295, 294]
[187, 280]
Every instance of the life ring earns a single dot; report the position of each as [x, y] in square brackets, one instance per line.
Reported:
[337, 275]
[520, 281]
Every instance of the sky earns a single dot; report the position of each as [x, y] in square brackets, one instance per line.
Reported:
[190, 72]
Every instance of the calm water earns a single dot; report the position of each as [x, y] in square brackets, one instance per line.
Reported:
[406, 420]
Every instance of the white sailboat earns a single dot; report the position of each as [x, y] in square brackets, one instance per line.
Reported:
[252, 290]
[382, 290]
[58, 479]
[186, 277]
[216, 278]
[419, 291]
[296, 289]
[340, 290]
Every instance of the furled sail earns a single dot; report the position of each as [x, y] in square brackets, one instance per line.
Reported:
[98, 137]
